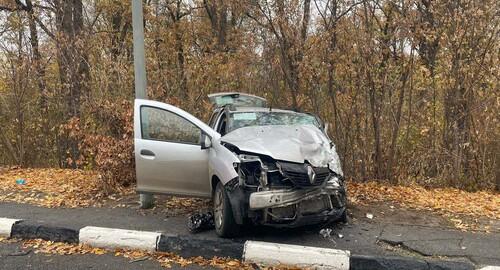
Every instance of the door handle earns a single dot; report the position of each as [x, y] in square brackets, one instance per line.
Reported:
[146, 152]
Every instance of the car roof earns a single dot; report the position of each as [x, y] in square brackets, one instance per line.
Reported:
[234, 93]
[258, 109]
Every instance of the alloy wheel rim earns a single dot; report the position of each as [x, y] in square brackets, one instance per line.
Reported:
[218, 209]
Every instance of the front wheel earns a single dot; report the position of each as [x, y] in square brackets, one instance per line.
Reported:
[343, 218]
[225, 226]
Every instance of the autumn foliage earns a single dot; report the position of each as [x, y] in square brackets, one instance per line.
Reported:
[409, 87]
[51, 187]
[106, 147]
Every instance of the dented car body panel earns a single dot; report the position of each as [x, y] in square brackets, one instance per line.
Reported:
[298, 143]
[281, 171]
[221, 162]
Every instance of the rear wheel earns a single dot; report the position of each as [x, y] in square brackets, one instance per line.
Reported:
[225, 226]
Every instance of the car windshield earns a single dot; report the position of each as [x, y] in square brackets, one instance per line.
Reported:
[245, 119]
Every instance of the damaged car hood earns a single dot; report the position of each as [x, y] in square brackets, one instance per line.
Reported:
[296, 143]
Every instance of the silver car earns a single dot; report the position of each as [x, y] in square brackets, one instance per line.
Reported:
[260, 165]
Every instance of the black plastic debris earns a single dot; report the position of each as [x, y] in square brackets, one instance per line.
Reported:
[199, 222]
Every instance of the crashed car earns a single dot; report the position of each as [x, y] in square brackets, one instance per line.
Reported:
[260, 165]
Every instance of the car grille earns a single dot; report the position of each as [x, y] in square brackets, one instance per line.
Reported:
[297, 174]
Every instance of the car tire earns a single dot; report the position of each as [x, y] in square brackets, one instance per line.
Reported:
[225, 226]
[343, 218]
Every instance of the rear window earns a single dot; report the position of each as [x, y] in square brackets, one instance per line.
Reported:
[238, 100]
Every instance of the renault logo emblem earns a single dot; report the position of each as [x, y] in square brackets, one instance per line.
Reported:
[311, 174]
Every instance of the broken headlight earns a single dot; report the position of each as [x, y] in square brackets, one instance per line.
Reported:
[334, 182]
[249, 158]
[252, 171]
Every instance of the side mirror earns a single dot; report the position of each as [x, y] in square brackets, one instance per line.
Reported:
[205, 141]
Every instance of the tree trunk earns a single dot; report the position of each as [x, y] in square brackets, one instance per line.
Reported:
[217, 12]
[396, 124]
[73, 68]
[179, 48]
[456, 121]
[37, 60]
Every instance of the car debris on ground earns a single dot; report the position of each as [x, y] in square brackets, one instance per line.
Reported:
[199, 222]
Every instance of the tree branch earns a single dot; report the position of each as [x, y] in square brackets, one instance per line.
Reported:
[44, 28]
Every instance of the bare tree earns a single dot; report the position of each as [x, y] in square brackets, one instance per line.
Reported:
[290, 37]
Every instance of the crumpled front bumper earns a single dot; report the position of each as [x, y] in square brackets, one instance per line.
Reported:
[299, 207]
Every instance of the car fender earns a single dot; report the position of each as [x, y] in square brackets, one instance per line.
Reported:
[220, 163]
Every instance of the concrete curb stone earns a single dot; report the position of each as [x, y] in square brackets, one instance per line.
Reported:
[6, 226]
[308, 257]
[360, 262]
[118, 238]
[30, 230]
[188, 246]
[191, 247]
[444, 265]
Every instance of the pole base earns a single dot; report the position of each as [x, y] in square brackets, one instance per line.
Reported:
[146, 200]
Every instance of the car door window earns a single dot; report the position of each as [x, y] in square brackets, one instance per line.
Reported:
[162, 125]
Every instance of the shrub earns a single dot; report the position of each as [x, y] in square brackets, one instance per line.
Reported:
[106, 143]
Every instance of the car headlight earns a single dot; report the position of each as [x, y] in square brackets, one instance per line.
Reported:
[249, 158]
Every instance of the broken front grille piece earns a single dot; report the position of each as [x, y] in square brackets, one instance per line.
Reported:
[304, 175]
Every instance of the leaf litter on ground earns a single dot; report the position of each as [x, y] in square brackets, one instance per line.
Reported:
[449, 202]
[50, 187]
[166, 259]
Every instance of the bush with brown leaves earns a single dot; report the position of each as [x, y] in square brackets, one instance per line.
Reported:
[106, 143]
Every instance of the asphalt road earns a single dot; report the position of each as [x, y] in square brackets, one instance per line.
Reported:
[11, 259]
[390, 232]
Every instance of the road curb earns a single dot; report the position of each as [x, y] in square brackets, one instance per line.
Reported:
[118, 238]
[308, 257]
[187, 246]
[360, 262]
[6, 226]
[250, 251]
[29, 230]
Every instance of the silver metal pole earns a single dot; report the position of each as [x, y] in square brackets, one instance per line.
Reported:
[139, 57]
[146, 200]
